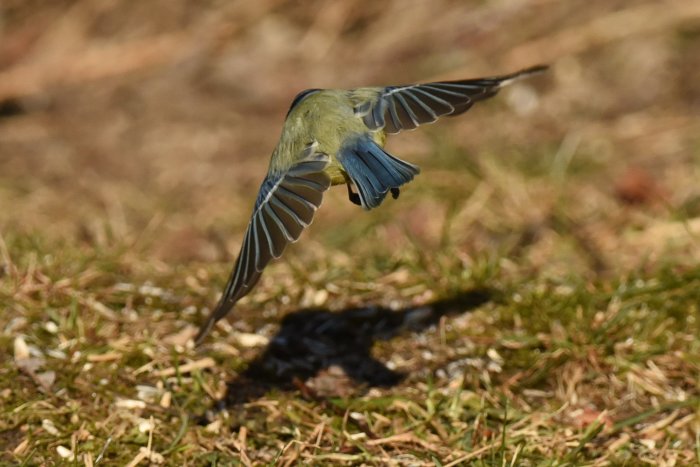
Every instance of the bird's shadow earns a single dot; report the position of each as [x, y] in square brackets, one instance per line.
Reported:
[312, 340]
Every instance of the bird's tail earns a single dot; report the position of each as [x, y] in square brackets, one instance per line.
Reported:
[374, 171]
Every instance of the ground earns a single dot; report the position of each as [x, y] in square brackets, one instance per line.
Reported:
[532, 298]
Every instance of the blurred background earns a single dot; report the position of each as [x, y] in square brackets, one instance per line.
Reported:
[151, 123]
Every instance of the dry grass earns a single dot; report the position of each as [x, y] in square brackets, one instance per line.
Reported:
[532, 298]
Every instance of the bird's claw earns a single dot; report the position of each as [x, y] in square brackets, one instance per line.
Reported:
[354, 197]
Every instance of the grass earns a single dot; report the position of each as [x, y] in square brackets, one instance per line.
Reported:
[556, 372]
[532, 298]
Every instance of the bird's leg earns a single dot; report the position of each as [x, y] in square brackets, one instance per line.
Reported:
[395, 192]
[354, 197]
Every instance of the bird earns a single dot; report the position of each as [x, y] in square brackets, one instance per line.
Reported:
[336, 137]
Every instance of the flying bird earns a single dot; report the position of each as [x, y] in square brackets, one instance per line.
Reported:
[336, 137]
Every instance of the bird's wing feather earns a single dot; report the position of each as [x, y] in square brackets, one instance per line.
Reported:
[285, 205]
[397, 108]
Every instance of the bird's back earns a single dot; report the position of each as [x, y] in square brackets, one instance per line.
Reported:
[326, 117]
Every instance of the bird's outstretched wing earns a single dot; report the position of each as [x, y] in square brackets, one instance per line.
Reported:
[399, 108]
[285, 205]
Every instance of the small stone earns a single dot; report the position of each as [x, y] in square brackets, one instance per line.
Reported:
[65, 453]
[213, 427]
[49, 427]
[130, 404]
[21, 349]
[246, 339]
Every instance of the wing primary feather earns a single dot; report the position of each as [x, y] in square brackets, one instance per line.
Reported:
[477, 85]
[256, 242]
[236, 277]
[266, 231]
[431, 116]
[440, 88]
[398, 97]
[279, 216]
[305, 182]
[277, 202]
[250, 265]
[309, 167]
[282, 190]
[378, 114]
[399, 108]
[279, 223]
[394, 116]
[446, 105]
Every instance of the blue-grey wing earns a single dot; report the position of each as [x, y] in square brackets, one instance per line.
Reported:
[285, 205]
[399, 108]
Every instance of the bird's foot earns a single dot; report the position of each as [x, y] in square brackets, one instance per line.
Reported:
[395, 192]
[354, 197]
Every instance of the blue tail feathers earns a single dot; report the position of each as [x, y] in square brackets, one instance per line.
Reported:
[374, 171]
